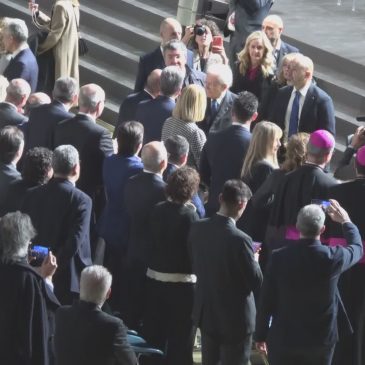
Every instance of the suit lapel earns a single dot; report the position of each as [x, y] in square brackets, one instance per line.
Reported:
[307, 106]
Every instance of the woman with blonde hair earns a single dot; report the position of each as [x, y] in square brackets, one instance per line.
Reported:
[254, 68]
[189, 109]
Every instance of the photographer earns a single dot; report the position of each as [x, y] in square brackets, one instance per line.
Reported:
[27, 305]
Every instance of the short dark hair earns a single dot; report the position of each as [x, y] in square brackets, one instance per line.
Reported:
[36, 165]
[176, 147]
[235, 191]
[245, 106]
[11, 139]
[129, 137]
[182, 184]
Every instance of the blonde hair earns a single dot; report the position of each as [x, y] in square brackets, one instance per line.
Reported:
[267, 62]
[261, 145]
[191, 104]
[280, 74]
[296, 150]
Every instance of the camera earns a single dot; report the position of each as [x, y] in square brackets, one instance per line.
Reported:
[199, 29]
[38, 254]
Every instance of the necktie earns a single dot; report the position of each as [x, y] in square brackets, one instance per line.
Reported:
[214, 108]
[294, 115]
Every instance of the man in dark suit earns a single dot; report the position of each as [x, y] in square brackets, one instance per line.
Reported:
[128, 108]
[11, 150]
[153, 113]
[175, 54]
[17, 94]
[169, 29]
[23, 64]
[92, 141]
[249, 15]
[85, 335]
[227, 274]
[224, 152]
[141, 194]
[273, 27]
[61, 216]
[300, 295]
[218, 115]
[44, 119]
[303, 107]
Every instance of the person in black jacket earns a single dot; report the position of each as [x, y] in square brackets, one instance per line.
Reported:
[170, 283]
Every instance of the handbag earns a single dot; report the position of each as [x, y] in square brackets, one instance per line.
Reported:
[83, 48]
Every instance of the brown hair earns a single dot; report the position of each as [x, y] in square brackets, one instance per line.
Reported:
[296, 151]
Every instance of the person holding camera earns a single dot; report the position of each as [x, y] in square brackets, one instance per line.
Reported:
[206, 41]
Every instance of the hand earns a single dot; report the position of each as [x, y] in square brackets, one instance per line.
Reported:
[256, 255]
[49, 266]
[337, 213]
[358, 140]
[33, 7]
[189, 33]
[261, 346]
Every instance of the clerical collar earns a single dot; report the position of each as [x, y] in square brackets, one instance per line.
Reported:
[21, 48]
[230, 218]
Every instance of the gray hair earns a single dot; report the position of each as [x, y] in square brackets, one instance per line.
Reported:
[16, 232]
[64, 159]
[17, 29]
[175, 45]
[223, 73]
[310, 220]
[317, 152]
[95, 282]
[65, 88]
[90, 96]
[153, 154]
[16, 90]
[171, 80]
[177, 146]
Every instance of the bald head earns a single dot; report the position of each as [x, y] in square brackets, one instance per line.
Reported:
[153, 82]
[154, 157]
[38, 99]
[170, 29]
[273, 27]
[17, 92]
[302, 70]
[91, 99]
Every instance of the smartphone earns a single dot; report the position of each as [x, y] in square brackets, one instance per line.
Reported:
[256, 246]
[38, 253]
[325, 204]
[217, 42]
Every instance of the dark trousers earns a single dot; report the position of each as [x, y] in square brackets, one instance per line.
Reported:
[167, 322]
[214, 352]
[311, 355]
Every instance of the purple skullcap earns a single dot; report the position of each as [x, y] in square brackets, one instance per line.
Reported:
[360, 156]
[322, 139]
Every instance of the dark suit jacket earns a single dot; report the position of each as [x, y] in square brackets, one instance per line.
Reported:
[317, 113]
[87, 336]
[8, 174]
[195, 77]
[152, 114]
[128, 108]
[23, 66]
[141, 194]
[151, 61]
[10, 116]
[300, 292]
[227, 273]
[285, 48]
[223, 119]
[61, 216]
[42, 123]
[222, 159]
[94, 144]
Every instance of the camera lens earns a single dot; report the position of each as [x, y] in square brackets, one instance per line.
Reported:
[199, 30]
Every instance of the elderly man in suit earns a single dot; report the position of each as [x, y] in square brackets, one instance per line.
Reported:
[17, 94]
[300, 296]
[273, 27]
[61, 216]
[227, 274]
[85, 335]
[92, 141]
[153, 113]
[224, 152]
[169, 29]
[11, 150]
[218, 115]
[44, 119]
[303, 107]
[23, 64]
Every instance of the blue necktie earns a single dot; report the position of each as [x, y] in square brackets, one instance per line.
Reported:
[214, 108]
[294, 115]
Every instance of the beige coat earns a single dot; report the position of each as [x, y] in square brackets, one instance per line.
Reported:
[63, 38]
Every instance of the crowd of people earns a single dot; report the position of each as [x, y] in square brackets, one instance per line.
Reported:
[212, 205]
